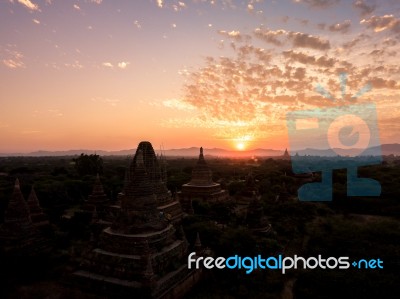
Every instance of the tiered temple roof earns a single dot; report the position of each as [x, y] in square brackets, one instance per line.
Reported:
[140, 254]
[166, 204]
[98, 201]
[201, 185]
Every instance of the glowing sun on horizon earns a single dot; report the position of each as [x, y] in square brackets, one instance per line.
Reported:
[240, 146]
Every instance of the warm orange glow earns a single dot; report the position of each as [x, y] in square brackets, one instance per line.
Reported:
[240, 146]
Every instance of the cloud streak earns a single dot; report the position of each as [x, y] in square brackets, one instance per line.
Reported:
[297, 39]
[28, 4]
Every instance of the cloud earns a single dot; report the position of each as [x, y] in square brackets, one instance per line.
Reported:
[340, 27]
[270, 36]
[382, 23]
[304, 40]
[355, 41]
[123, 65]
[107, 64]
[319, 3]
[178, 7]
[235, 35]
[96, 1]
[378, 82]
[137, 24]
[28, 4]
[36, 21]
[322, 61]
[14, 59]
[298, 39]
[160, 3]
[363, 8]
[76, 6]
[74, 65]
[178, 104]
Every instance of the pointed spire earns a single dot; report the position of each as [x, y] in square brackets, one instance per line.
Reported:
[17, 209]
[201, 173]
[286, 154]
[33, 202]
[98, 195]
[16, 184]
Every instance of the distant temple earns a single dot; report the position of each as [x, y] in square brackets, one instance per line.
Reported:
[286, 155]
[201, 186]
[18, 234]
[141, 254]
[98, 202]
[39, 219]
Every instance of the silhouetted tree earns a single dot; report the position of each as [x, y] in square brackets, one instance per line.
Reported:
[89, 164]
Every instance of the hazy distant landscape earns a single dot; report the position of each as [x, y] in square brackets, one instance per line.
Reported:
[386, 149]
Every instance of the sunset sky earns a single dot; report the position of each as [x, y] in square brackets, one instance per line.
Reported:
[106, 74]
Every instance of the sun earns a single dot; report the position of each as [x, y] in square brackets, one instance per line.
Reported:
[240, 146]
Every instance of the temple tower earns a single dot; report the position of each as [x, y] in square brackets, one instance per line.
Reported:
[201, 186]
[166, 203]
[139, 254]
[18, 235]
[39, 219]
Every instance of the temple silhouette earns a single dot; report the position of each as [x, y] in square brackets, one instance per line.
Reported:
[201, 186]
[143, 253]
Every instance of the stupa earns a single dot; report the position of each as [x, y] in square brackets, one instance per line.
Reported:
[18, 235]
[98, 201]
[98, 196]
[286, 155]
[39, 219]
[168, 206]
[139, 255]
[201, 186]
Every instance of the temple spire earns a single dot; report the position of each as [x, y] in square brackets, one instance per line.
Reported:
[16, 184]
[33, 203]
[17, 211]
